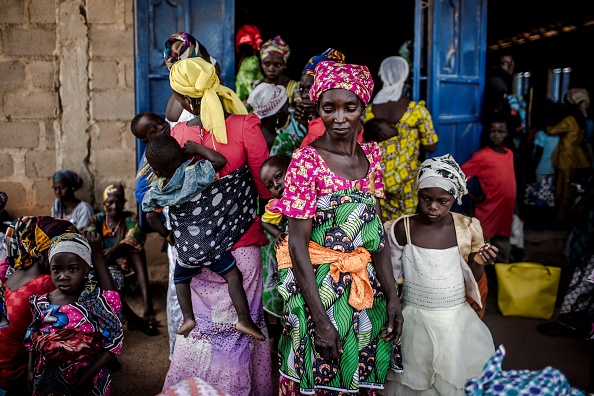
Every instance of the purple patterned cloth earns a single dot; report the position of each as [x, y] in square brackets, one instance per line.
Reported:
[215, 351]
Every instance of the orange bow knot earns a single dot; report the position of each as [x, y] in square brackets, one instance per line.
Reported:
[354, 262]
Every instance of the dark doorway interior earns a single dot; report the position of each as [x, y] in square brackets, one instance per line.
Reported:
[366, 32]
[543, 37]
[370, 31]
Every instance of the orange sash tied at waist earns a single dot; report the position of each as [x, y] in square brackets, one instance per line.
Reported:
[355, 263]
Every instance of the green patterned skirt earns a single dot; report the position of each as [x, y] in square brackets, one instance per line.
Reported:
[272, 302]
[342, 218]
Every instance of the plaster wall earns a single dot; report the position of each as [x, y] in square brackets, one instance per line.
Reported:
[66, 99]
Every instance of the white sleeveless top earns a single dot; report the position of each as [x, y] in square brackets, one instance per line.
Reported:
[444, 342]
[434, 277]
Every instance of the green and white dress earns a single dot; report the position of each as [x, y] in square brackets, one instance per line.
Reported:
[344, 218]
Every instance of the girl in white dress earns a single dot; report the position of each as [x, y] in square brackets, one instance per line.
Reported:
[444, 342]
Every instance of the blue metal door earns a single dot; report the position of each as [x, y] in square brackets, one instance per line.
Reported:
[212, 22]
[454, 53]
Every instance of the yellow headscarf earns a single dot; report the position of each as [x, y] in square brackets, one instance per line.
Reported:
[196, 78]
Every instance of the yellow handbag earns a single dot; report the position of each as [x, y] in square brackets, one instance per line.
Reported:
[527, 289]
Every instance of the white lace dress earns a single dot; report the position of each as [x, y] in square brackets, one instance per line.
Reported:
[444, 342]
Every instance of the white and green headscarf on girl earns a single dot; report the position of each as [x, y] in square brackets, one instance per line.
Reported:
[443, 172]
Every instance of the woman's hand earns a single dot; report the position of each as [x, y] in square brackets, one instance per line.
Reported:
[170, 238]
[303, 112]
[299, 113]
[279, 239]
[486, 254]
[394, 323]
[327, 341]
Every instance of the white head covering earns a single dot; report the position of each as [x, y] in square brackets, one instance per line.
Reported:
[580, 97]
[443, 172]
[71, 243]
[267, 99]
[393, 72]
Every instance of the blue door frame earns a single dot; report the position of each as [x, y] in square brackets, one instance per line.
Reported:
[455, 33]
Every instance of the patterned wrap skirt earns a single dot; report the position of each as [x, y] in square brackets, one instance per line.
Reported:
[344, 220]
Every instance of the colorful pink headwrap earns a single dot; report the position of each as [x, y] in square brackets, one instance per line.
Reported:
[329, 55]
[276, 46]
[248, 34]
[331, 75]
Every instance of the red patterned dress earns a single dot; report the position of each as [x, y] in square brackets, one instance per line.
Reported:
[13, 355]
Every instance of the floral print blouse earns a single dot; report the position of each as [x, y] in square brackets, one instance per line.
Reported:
[309, 177]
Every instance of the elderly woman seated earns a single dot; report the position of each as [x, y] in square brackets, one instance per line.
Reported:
[123, 240]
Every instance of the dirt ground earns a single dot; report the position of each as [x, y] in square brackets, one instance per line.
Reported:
[145, 359]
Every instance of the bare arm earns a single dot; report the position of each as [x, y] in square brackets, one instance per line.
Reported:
[476, 197]
[531, 174]
[101, 272]
[217, 159]
[430, 148]
[383, 267]
[31, 371]
[271, 229]
[157, 224]
[278, 234]
[538, 150]
[117, 251]
[326, 339]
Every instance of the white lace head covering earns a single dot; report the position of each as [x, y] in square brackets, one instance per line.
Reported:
[443, 172]
[393, 72]
[267, 99]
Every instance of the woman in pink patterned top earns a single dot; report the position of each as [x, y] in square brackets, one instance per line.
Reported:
[342, 312]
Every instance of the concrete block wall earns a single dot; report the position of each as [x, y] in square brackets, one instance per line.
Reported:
[66, 99]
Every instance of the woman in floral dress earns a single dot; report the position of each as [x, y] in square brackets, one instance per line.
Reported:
[342, 312]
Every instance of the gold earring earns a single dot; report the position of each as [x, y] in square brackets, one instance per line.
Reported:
[190, 101]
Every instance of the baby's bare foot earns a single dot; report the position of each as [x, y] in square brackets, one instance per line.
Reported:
[249, 328]
[186, 327]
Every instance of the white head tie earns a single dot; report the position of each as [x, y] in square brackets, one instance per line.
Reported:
[267, 99]
[443, 172]
[393, 72]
